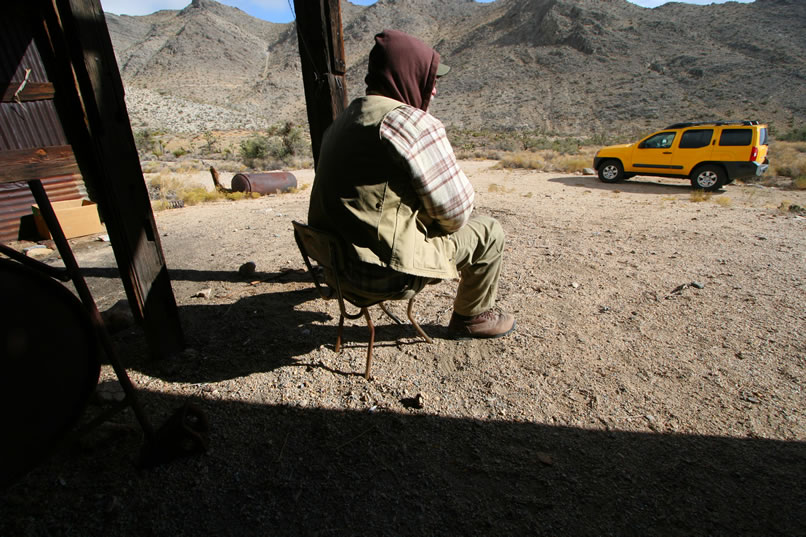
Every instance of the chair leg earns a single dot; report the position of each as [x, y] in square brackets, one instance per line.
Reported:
[341, 329]
[414, 323]
[391, 315]
[371, 341]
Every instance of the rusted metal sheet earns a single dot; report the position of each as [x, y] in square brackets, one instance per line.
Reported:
[25, 123]
[18, 54]
[263, 183]
[30, 125]
[30, 131]
[16, 201]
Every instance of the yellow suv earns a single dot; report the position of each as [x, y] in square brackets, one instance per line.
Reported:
[709, 154]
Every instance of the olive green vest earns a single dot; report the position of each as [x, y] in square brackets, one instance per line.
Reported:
[363, 192]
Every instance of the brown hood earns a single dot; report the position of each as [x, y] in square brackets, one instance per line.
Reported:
[403, 68]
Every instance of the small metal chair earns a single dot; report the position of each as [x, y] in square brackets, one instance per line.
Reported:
[327, 250]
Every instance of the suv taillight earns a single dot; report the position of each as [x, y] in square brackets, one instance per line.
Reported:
[753, 153]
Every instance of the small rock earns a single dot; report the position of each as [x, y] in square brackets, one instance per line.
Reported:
[575, 285]
[697, 285]
[204, 293]
[545, 458]
[588, 171]
[247, 269]
[418, 401]
[37, 251]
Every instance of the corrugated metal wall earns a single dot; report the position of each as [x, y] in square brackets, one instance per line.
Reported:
[26, 125]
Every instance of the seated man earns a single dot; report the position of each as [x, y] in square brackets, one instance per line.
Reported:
[387, 182]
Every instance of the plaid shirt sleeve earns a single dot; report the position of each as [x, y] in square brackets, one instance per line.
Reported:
[420, 139]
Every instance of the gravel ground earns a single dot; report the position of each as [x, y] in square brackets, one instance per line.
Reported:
[654, 386]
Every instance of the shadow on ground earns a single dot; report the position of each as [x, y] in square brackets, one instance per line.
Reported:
[274, 470]
[259, 333]
[195, 275]
[632, 186]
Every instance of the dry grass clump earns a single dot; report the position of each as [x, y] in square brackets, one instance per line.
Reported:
[572, 163]
[549, 160]
[168, 192]
[698, 196]
[789, 207]
[723, 201]
[499, 188]
[789, 160]
[524, 160]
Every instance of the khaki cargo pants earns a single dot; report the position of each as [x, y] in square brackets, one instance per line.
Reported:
[479, 256]
[478, 247]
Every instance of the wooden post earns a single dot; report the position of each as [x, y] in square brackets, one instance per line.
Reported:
[75, 45]
[321, 50]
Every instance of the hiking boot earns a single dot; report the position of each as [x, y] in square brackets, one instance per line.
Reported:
[489, 324]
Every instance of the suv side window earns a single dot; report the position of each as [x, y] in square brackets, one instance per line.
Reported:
[695, 138]
[662, 140]
[762, 136]
[735, 137]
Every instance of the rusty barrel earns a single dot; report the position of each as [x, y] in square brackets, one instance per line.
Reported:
[263, 183]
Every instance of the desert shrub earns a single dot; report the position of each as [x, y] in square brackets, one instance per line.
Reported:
[281, 146]
[144, 140]
[147, 142]
[795, 135]
[210, 142]
[790, 161]
[254, 148]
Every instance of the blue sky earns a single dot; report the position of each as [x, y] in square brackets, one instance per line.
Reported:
[279, 10]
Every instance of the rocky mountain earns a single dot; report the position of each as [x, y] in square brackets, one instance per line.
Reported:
[562, 66]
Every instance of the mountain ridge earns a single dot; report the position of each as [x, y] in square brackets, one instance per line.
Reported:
[570, 67]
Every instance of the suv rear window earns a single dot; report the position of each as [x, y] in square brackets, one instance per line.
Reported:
[736, 137]
[696, 138]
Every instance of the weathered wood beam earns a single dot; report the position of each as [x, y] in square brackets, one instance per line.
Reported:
[24, 92]
[321, 49]
[75, 45]
[30, 164]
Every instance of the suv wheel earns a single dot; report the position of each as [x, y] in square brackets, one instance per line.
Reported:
[611, 171]
[708, 178]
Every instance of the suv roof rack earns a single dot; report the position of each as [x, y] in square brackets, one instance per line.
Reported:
[685, 124]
